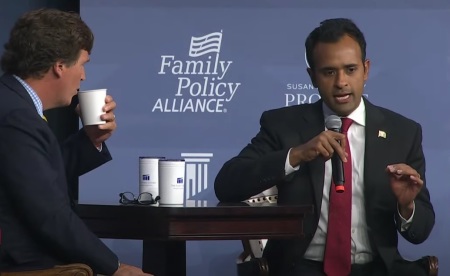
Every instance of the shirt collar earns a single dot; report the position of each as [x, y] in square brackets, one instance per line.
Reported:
[358, 115]
[36, 101]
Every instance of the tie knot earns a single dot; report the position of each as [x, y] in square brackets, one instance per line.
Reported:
[346, 122]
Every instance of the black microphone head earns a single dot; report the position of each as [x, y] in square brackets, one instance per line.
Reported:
[333, 122]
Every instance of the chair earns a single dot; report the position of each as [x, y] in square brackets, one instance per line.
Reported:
[61, 270]
[251, 262]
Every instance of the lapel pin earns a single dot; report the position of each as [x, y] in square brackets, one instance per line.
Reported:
[382, 134]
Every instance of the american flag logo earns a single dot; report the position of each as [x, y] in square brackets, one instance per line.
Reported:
[203, 45]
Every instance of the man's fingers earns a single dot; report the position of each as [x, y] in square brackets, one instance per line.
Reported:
[405, 172]
[109, 117]
[338, 142]
[326, 144]
[402, 170]
[416, 180]
[322, 150]
[110, 104]
[107, 126]
[108, 99]
[325, 148]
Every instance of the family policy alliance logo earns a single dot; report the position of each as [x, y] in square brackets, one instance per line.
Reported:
[201, 84]
[196, 172]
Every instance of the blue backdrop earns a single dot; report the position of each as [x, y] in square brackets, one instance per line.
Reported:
[178, 96]
[191, 79]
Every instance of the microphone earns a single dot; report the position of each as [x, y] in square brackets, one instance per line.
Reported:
[334, 123]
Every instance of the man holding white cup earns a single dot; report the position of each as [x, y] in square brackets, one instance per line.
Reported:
[44, 63]
[97, 116]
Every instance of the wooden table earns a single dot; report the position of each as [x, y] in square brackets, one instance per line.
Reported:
[165, 229]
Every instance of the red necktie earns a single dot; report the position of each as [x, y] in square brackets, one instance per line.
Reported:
[337, 258]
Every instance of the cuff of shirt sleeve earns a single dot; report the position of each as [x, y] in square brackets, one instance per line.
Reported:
[288, 169]
[404, 222]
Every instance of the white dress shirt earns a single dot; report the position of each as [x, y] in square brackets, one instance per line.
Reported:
[361, 249]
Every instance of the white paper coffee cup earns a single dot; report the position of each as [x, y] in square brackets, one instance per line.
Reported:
[91, 106]
[149, 175]
[171, 181]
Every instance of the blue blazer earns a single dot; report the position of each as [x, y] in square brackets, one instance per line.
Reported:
[38, 225]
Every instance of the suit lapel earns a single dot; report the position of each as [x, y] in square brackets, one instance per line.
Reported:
[314, 124]
[375, 142]
[374, 160]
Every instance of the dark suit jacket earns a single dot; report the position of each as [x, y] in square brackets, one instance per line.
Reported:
[260, 165]
[38, 225]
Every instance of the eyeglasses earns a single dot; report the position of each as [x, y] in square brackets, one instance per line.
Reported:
[142, 199]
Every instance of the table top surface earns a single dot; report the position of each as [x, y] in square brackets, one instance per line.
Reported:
[194, 220]
[191, 207]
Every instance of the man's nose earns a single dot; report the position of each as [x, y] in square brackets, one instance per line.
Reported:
[341, 80]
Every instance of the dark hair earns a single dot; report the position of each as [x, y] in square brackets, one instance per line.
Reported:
[42, 37]
[330, 31]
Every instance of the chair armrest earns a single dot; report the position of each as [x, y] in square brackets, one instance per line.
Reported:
[62, 270]
[434, 265]
[430, 264]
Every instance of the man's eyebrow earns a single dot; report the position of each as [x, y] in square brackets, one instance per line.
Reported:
[334, 68]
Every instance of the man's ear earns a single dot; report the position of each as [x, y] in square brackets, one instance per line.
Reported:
[312, 76]
[58, 69]
[366, 69]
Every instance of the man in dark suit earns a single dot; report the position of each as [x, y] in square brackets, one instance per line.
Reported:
[352, 232]
[44, 63]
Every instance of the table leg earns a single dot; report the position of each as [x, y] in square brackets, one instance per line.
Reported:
[164, 258]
